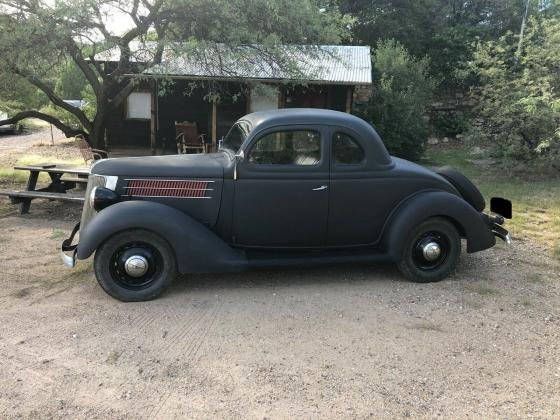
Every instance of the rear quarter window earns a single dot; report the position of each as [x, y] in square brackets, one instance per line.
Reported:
[346, 150]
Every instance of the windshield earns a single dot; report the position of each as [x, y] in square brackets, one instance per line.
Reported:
[236, 136]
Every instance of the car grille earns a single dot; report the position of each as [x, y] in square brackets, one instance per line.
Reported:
[168, 188]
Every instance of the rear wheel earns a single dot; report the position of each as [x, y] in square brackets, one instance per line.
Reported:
[135, 265]
[431, 251]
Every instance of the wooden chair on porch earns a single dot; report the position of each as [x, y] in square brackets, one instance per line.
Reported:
[88, 153]
[188, 139]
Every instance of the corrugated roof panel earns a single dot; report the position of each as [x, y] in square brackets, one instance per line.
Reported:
[331, 63]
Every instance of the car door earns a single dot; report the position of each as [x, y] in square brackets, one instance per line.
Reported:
[282, 189]
[352, 191]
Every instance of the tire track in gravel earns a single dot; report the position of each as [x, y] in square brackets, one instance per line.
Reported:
[182, 325]
[192, 352]
[181, 343]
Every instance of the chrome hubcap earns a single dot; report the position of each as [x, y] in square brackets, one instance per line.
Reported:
[136, 266]
[431, 251]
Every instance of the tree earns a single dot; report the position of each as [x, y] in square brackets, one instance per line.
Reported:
[38, 37]
[443, 30]
[71, 82]
[519, 95]
[16, 94]
[403, 90]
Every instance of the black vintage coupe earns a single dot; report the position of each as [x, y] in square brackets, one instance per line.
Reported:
[294, 187]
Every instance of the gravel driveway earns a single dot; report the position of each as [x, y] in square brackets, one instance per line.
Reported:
[30, 137]
[342, 342]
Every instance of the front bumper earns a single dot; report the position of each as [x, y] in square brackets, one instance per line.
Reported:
[68, 251]
[495, 223]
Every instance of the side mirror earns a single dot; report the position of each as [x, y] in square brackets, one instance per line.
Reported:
[220, 143]
[240, 155]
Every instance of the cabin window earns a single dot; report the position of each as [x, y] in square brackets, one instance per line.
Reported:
[294, 147]
[139, 106]
[346, 150]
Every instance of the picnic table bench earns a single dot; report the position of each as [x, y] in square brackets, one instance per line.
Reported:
[63, 179]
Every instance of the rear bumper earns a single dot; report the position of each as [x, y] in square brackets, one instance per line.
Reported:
[68, 251]
[495, 223]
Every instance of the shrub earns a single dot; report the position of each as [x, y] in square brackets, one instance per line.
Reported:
[450, 124]
[402, 91]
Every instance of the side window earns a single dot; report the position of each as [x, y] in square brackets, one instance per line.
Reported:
[346, 150]
[294, 147]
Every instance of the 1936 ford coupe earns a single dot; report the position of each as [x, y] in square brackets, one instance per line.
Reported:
[293, 187]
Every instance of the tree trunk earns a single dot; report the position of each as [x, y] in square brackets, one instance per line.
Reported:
[97, 135]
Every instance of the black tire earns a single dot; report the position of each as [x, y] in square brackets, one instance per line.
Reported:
[109, 265]
[414, 265]
[466, 188]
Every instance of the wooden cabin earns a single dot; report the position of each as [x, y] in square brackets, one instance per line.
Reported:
[213, 97]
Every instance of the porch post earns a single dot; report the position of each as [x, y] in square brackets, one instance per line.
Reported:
[153, 119]
[214, 125]
[349, 94]
[248, 108]
[281, 99]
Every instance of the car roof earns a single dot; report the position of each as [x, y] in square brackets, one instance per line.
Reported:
[302, 116]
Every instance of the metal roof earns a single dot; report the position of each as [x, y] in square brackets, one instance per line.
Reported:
[336, 64]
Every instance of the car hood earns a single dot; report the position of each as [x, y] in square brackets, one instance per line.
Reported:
[192, 166]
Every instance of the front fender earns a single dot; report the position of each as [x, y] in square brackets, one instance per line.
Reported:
[197, 248]
[428, 204]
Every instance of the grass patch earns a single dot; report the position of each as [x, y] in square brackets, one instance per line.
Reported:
[58, 234]
[482, 289]
[33, 159]
[556, 251]
[12, 176]
[536, 202]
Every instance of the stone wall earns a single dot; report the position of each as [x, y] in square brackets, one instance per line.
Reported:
[451, 113]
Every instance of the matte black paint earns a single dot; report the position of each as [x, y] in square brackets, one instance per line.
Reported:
[501, 206]
[426, 204]
[104, 197]
[266, 215]
[197, 248]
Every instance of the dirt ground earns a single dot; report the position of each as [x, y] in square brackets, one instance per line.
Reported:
[339, 342]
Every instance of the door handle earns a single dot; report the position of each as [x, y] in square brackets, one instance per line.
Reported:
[321, 188]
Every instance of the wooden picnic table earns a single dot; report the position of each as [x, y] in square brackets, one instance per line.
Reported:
[63, 179]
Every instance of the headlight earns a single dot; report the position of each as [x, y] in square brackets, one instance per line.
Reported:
[101, 197]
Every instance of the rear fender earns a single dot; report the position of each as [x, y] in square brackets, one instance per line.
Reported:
[196, 247]
[428, 204]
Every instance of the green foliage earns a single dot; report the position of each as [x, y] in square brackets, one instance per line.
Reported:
[403, 90]
[70, 82]
[62, 115]
[450, 124]
[519, 96]
[443, 30]
[16, 94]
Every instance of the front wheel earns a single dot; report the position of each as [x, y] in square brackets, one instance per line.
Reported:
[135, 265]
[431, 251]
